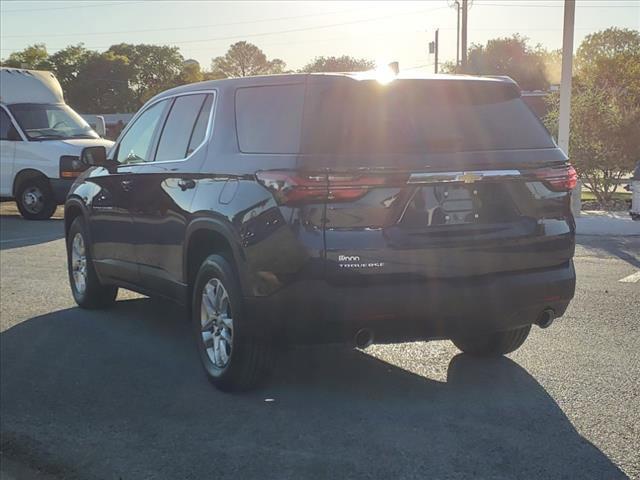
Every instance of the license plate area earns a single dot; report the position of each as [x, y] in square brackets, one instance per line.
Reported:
[445, 204]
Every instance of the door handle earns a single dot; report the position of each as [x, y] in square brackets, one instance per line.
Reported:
[186, 184]
[127, 185]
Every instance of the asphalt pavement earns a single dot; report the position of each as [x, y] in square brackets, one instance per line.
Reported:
[120, 393]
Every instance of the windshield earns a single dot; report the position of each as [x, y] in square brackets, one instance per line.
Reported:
[50, 122]
[409, 117]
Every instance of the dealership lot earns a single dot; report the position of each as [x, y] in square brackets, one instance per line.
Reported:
[120, 393]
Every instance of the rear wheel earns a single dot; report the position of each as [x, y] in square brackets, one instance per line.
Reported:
[35, 199]
[233, 358]
[86, 288]
[493, 344]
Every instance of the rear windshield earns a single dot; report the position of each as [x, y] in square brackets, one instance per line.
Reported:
[413, 116]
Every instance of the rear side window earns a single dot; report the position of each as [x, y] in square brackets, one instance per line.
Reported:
[269, 118]
[200, 130]
[417, 116]
[177, 137]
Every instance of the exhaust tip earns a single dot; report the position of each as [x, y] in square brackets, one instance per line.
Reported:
[546, 318]
[363, 338]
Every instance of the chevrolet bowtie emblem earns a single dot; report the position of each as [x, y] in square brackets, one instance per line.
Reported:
[470, 177]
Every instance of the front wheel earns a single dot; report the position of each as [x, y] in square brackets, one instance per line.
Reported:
[232, 356]
[35, 199]
[86, 288]
[493, 344]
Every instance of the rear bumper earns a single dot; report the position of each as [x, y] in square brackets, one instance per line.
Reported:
[318, 312]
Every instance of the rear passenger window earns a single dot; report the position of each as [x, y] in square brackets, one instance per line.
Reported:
[200, 130]
[181, 124]
[269, 118]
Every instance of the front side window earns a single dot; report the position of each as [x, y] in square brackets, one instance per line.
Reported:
[184, 128]
[135, 146]
[50, 122]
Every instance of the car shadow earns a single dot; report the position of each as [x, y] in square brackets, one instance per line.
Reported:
[625, 248]
[17, 232]
[121, 394]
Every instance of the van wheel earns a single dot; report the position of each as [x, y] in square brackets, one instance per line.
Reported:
[493, 344]
[35, 199]
[87, 290]
[232, 356]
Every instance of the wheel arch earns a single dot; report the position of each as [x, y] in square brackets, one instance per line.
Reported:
[73, 209]
[208, 236]
[24, 175]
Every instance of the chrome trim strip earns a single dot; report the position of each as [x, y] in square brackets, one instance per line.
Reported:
[470, 176]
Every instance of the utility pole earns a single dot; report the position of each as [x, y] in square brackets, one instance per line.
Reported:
[458, 35]
[435, 69]
[456, 4]
[464, 35]
[565, 93]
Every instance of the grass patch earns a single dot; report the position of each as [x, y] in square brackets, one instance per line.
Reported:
[619, 196]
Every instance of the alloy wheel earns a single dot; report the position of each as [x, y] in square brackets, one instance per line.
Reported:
[216, 323]
[79, 263]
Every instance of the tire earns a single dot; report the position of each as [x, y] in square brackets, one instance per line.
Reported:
[35, 200]
[92, 295]
[493, 344]
[232, 356]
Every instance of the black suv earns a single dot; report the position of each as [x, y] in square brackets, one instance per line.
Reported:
[330, 208]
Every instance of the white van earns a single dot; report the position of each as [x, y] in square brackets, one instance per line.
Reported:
[40, 142]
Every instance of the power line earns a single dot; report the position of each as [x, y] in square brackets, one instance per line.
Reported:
[189, 27]
[278, 32]
[546, 5]
[75, 6]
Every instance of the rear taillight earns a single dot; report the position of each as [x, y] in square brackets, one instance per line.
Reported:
[290, 188]
[558, 179]
[294, 188]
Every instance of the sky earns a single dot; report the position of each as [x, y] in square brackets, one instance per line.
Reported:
[296, 32]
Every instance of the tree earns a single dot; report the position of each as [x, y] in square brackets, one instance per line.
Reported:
[190, 73]
[154, 68]
[102, 85]
[605, 110]
[244, 59]
[33, 57]
[606, 45]
[66, 64]
[345, 63]
[510, 56]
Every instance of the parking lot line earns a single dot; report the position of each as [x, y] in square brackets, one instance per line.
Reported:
[633, 278]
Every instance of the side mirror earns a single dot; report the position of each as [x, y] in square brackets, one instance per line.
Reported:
[97, 157]
[101, 126]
